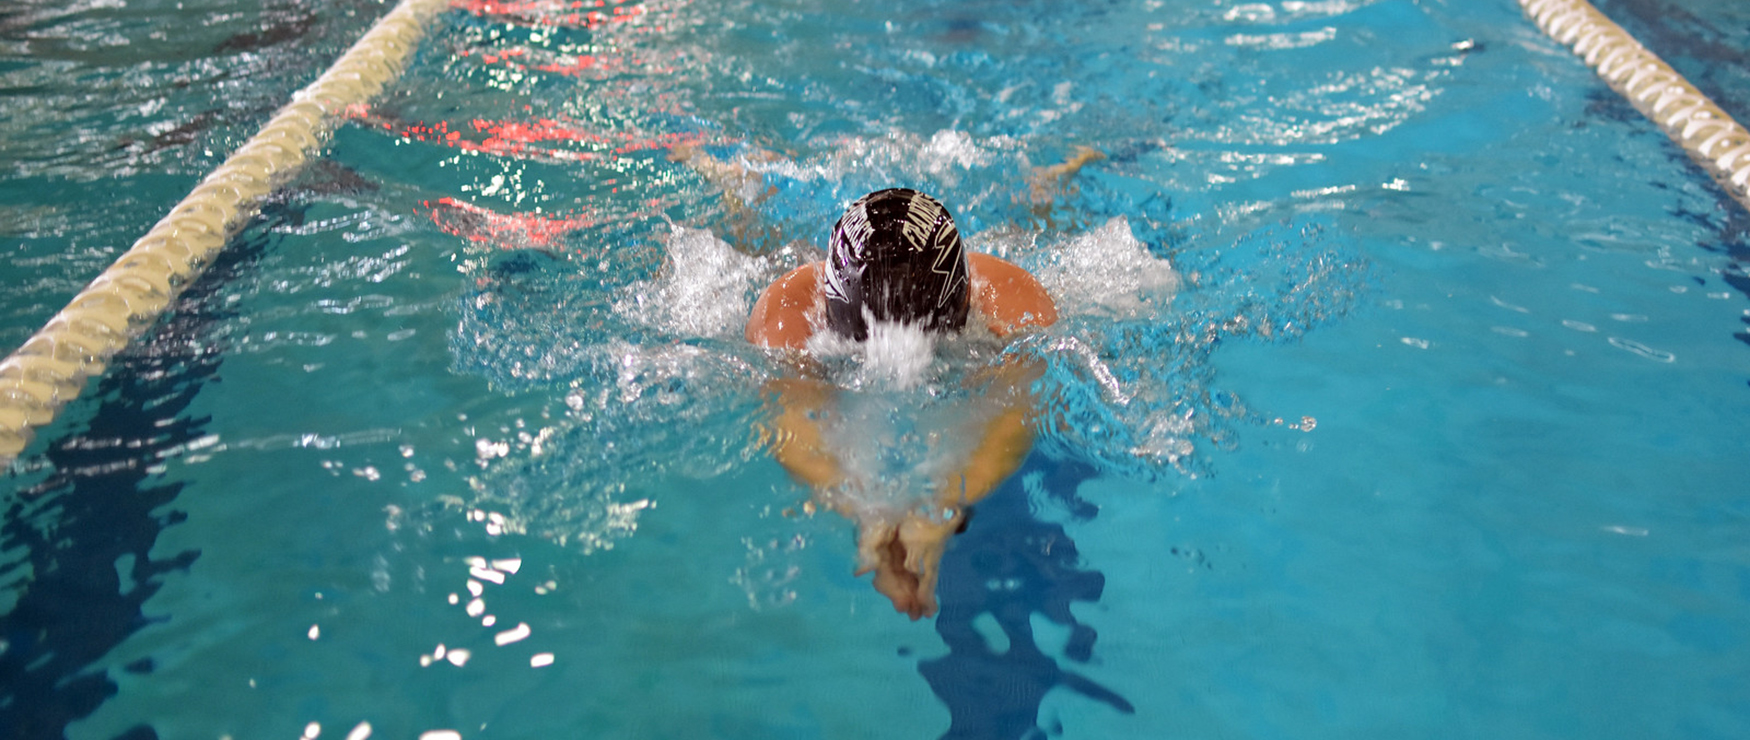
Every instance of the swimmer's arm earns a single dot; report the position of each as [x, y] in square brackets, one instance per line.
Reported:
[1005, 441]
[907, 558]
[1011, 300]
[796, 439]
[908, 577]
[731, 177]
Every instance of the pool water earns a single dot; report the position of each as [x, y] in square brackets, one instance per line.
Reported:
[1399, 389]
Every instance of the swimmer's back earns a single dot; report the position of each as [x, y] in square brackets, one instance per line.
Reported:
[1009, 299]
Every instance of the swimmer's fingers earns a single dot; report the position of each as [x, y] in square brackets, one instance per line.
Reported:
[1046, 182]
[924, 541]
[873, 539]
[1080, 156]
[926, 597]
[882, 549]
[900, 588]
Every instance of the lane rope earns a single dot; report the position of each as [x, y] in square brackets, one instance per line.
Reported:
[1709, 134]
[51, 367]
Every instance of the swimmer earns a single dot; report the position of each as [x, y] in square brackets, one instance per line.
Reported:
[896, 257]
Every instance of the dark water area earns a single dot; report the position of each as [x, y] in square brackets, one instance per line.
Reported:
[1012, 565]
[88, 529]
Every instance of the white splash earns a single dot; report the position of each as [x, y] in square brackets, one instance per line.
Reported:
[704, 290]
[896, 453]
[948, 149]
[896, 157]
[896, 357]
[1107, 271]
[905, 419]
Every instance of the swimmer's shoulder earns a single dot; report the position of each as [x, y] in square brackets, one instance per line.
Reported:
[1009, 297]
[780, 316]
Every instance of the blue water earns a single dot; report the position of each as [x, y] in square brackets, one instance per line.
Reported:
[1438, 435]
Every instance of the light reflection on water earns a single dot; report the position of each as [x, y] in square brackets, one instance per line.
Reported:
[517, 218]
[624, 341]
[1113, 399]
[620, 333]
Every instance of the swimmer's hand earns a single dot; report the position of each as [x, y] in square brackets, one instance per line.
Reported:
[733, 177]
[1046, 183]
[906, 559]
[683, 153]
[743, 190]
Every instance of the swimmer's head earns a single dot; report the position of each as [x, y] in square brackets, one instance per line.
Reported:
[896, 257]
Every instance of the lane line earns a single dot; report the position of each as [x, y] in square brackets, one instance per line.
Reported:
[51, 367]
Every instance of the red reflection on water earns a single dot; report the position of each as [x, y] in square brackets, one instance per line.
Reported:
[553, 12]
[569, 65]
[532, 139]
[503, 230]
[529, 139]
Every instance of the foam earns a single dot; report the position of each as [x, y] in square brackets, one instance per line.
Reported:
[896, 357]
[898, 447]
[704, 290]
[899, 153]
[1107, 271]
[908, 414]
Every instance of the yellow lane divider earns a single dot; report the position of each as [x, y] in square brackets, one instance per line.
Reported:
[52, 366]
[1710, 136]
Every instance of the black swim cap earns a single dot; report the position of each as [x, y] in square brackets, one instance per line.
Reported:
[896, 253]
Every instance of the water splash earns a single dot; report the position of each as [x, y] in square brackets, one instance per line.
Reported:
[645, 373]
[1130, 389]
[635, 374]
[1108, 272]
[637, 414]
[704, 290]
[896, 357]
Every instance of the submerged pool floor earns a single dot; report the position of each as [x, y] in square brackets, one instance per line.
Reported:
[1400, 387]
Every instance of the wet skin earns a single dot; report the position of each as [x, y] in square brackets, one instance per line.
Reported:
[904, 552]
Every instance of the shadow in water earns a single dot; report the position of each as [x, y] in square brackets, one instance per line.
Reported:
[1010, 564]
[87, 530]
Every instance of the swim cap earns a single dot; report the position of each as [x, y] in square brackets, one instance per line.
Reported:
[896, 255]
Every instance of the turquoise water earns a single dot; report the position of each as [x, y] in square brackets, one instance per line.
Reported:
[1399, 391]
